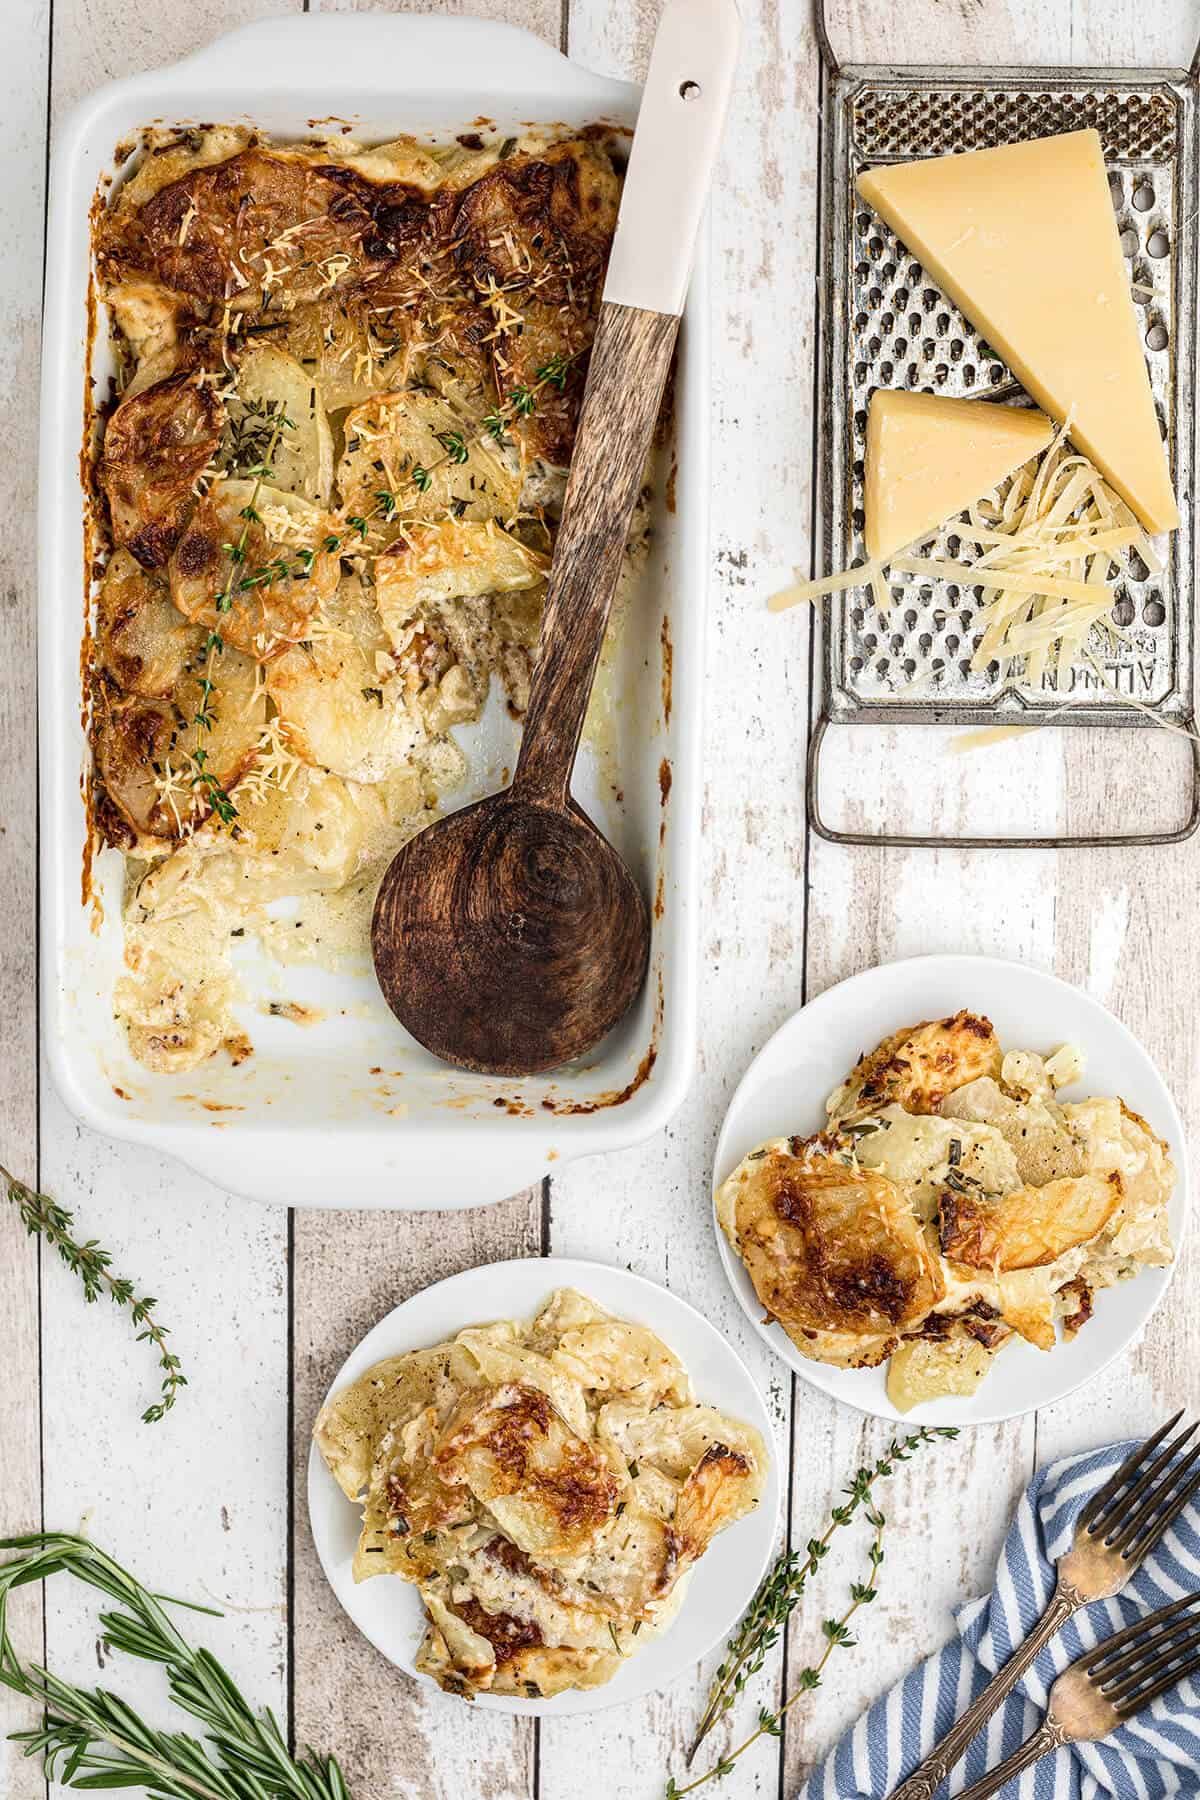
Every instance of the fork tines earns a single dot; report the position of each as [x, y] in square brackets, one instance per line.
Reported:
[1148, 1492]
[1143, 1661]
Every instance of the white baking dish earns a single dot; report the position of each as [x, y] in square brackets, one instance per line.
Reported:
[350, 1111]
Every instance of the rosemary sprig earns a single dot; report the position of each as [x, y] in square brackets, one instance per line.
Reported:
[781, 1591]
[45, 1218]
[90, 1738]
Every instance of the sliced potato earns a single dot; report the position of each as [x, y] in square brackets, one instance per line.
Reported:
[917, 1068]
[455, 559]
[928, 1368]
[158, 443]
[835, 1251]
[353, 350]
[147, 315]
[142, 638]
[419, 452]
[145, 749]
[1034, 1129]
[342, 703]
[311, 837]
[270, 383]
[1030, 1227]
[262, 602]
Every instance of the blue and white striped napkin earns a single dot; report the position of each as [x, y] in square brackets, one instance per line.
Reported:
[1155, 1755]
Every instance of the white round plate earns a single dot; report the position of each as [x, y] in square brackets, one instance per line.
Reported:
[389, 1612]
[784, 1092]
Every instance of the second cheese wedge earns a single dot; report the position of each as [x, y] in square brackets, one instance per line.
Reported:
[929, 457]
[1024, 240]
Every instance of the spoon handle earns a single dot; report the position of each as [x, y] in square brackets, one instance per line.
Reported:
[666, 185]
[630, 358]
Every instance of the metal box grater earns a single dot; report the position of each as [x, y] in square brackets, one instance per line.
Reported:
[884, 323]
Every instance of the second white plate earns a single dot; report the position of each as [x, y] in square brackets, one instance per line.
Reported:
[784, 1091]
[389, 1612]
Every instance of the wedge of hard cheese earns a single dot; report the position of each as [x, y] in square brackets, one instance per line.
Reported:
[1024, 240]
[929, 457]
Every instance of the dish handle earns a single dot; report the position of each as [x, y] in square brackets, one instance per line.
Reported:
[390, 52]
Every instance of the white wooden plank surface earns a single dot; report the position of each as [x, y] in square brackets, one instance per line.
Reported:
[206, 1494]
[23, 106]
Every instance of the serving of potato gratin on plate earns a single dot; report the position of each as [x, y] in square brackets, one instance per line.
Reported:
[327, 492]
[952, 1203]
[547, 1485]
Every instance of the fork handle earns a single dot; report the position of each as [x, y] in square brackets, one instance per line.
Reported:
[925, 1780]
[1047, 1737]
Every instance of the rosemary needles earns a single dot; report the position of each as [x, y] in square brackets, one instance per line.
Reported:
[777, 1598]
[90, 1738]
[43, 1217]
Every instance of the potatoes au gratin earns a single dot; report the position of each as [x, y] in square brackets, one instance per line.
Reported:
[328, 487]
[952, 1203]
[548, 1487]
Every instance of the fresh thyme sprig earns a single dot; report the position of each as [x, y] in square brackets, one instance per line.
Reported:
[45, 1218]
[520, 403]
[777, 1598]
[90, 1738]
[203, 720]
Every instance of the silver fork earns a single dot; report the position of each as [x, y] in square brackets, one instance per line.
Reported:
[1116, 1529]
[1108, 1685]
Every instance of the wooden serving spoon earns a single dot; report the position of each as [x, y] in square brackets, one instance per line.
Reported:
[511, 937]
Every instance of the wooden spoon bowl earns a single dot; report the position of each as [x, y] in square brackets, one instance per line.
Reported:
[525, 936]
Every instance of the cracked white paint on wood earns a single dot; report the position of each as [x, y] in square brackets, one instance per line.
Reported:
[201, 1503]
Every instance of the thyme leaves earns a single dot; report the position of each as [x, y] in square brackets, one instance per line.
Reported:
[45, 1218]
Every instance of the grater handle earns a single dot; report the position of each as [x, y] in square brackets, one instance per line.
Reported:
[829, 58]
[890, 840]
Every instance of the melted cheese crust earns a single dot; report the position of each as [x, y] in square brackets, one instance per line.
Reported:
[953, 1202]
[547, 1486]
[350, 378]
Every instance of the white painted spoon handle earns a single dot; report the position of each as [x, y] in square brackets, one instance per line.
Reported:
[674, 151]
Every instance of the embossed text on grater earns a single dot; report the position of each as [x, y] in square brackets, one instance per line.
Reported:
[889, 325]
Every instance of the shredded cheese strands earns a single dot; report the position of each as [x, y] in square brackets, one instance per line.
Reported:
[861, 575]
[1053, 549]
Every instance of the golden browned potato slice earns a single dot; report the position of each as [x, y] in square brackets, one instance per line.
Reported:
[142, 639]
[263, 601]
[352, 1422]
[534, 235]
[722, 1487]
[917, 1068]
[548, 1489]
[835, 1251]
[1029, 1227]
[259, 224]
[412, 455]
[674, 1439]
[157, 443]
[145, 748]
